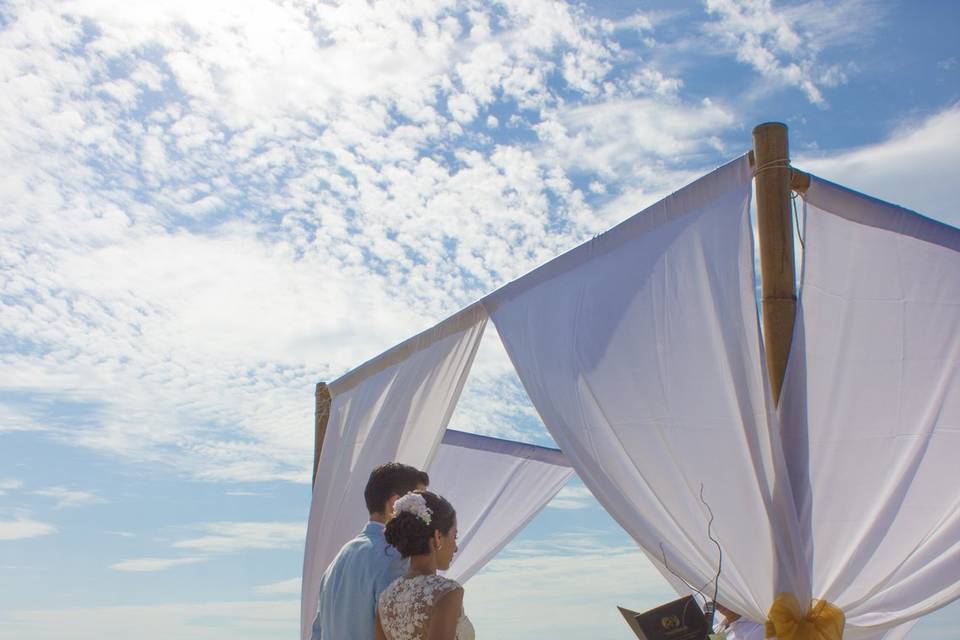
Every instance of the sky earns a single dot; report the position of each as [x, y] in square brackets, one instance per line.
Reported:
[207, 207]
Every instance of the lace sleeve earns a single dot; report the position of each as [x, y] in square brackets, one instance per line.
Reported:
[443, 586]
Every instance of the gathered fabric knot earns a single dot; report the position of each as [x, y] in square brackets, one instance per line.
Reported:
[785, 621]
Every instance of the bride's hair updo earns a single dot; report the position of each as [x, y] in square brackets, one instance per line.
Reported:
[411, 528]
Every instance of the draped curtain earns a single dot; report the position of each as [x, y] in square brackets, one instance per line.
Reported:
[871, 408]
[497, 487]
[395, 407]
[641, 352]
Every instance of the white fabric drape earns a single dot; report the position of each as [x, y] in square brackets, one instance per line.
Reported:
[641, 352]
[871, 408]
[394, 407]
[497, 487]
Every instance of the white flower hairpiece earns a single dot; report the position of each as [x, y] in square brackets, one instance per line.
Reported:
[415, 504]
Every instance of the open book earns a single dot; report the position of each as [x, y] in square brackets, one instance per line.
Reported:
[678, 620]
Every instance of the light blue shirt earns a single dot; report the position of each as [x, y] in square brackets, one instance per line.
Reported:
[352, 584]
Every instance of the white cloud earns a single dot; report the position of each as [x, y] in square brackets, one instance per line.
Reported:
[639, 20]
[915, 167]
[284, 587]
[784, 43]
[18, 419]
[494, 401]
[69, 498]
[9, 484]
[585, 578]
[154, 564]
[143, 130]
[223, 538]
[17, 525]
[463, 108]
[633, 137]
[571, 497]
[231, 537]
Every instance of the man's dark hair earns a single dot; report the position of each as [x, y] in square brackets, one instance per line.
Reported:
[391, 479]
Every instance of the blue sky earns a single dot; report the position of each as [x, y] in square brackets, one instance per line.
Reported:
[206, 207]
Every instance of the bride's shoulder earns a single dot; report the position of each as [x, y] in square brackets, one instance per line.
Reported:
[440, 585]
[453, 583]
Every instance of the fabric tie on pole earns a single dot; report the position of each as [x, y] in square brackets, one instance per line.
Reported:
[786, 621]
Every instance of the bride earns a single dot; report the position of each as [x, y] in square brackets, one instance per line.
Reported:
[422, 605]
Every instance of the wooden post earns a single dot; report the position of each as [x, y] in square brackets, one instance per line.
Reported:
[775, 226]
[321, 417]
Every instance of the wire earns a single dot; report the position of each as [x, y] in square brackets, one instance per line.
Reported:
[716, 579]
[794, 196]
[699, 591]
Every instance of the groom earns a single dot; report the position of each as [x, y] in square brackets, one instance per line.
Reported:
[366, 565]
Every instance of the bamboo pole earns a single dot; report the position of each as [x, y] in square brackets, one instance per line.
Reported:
[321, 416]
[775, 229]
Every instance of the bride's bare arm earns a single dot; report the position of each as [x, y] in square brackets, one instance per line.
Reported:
[380, 634]
[446, 613]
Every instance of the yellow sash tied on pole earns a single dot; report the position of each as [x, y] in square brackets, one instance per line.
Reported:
[823, 621]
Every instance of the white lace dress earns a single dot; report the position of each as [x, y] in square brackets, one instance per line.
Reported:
[407, 605]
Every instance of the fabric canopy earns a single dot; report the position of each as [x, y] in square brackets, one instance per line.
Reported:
[497, 487]
[395, 407]
[871, 408]
[641, 352]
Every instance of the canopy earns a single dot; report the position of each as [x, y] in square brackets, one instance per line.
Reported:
[641, 351]
[497, 487]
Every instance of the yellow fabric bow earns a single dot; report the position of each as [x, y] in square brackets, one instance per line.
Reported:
[823, 621]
